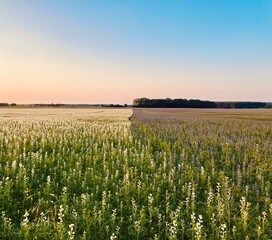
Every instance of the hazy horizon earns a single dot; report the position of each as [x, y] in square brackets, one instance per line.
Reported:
[99, 52]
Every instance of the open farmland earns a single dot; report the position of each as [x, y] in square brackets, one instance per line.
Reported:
[160, 174]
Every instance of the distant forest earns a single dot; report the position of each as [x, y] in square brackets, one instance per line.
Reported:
[157, 103]
[64, 105]
[195, 103]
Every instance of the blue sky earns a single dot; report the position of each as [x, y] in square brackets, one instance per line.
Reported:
[113, 51]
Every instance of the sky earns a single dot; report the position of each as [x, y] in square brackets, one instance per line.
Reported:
[104, 51]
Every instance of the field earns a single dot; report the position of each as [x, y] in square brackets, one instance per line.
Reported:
[146, 174]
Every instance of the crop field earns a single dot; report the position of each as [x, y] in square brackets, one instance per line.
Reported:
[135, 174]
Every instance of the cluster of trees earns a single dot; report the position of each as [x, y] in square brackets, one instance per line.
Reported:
[6, 104]
[114, 105]
[269, 105]
[241, 104]
[194, 103]
[172, 103]
[49, 105]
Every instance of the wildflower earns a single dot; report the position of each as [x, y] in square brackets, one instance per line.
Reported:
[48, 180]
[25, 220]
[244, 209]
[71, 232]
[137, 225]
[60, 214]
[113, 215]
[223, 231]
[150, 199]
[198, 227]
[113, 236]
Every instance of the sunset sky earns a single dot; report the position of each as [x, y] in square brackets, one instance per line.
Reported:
[64, 51]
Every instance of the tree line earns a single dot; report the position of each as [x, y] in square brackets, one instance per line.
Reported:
[7, 104]
[195, 103]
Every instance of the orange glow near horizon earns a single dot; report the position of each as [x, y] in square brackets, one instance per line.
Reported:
[71, 58]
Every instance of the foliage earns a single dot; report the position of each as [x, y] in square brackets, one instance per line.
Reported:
[172, 103]
[241, 104]
[193, 103]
